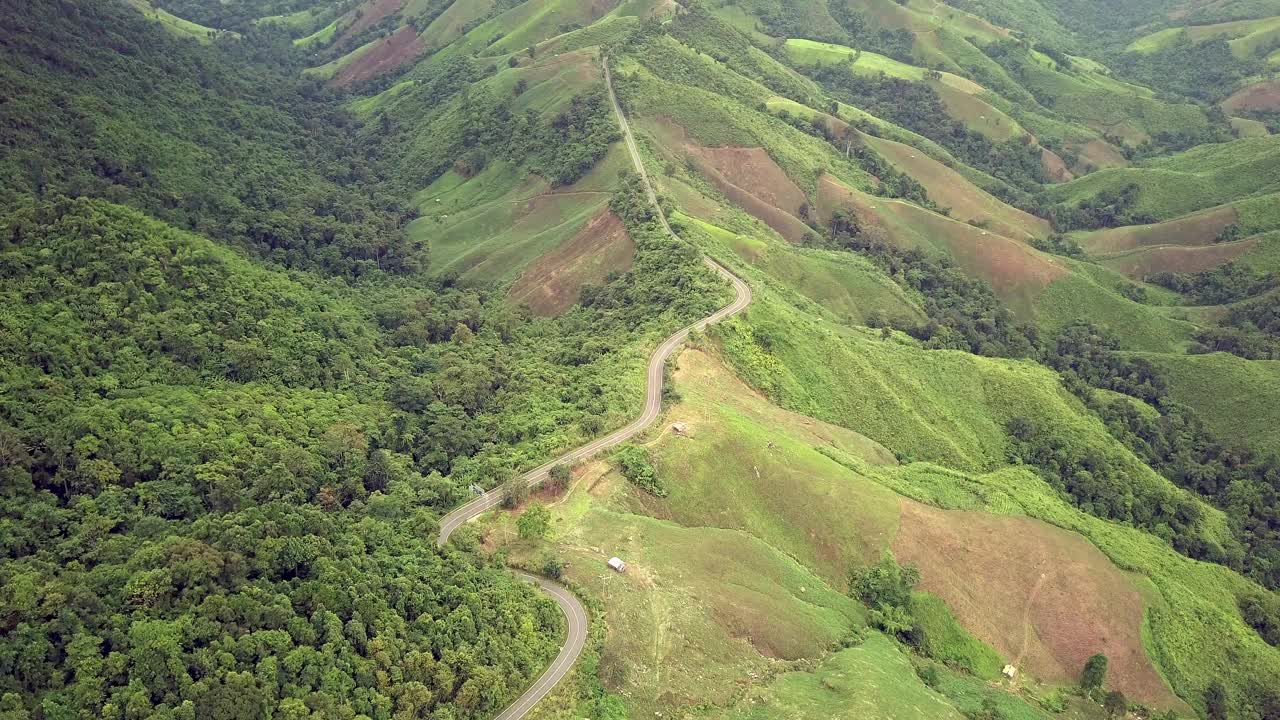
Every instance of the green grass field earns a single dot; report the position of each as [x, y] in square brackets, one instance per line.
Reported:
[810, 52]
[1244, 37]
[493, 225]
[873, 680]
[328, 70]
[1235, 397]
[303, 21]
[712, 119]
[367, 106]
[847, 286]
[700, 609]
[174, 24]
[1202, 177]
[320, 37]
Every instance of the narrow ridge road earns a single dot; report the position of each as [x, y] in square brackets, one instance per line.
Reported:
[575, 615]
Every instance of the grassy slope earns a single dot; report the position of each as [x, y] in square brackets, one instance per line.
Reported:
[699, 610]
[711, 592]
[782, 492]
[1235, 397]
[923, 405]
[811, 52]
[910, 388]
[493, 225]
[1199, 178]
[174, 24]
[716, 107]
[865, 682]
[848, 287]
[1244, 37]
[1022, 276]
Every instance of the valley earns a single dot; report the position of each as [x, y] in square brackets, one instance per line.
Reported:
[635, 358]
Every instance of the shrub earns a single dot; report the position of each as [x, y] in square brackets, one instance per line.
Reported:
[558, 477]
[534, 523]
[636, 467]
[514, 492]
[552, 567]
[1095, 672]
[885, 583]
[929, 675]
[1115, 704]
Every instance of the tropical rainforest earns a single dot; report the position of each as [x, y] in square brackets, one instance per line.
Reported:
[284, 282]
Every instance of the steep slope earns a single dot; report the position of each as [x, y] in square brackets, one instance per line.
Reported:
[1199, 178]
[432, 269]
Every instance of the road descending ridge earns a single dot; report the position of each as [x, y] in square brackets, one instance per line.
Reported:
[575, 615]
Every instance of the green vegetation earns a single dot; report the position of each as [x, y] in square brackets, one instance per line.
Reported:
[225, 141]
[940, 636]
[873, 677]
[534, 523]
[1168, 187]
[1211, 384]
[242, 14]
[918, 107]
[1095, 673]
[634, 463]
[226, 422]
[262, 330]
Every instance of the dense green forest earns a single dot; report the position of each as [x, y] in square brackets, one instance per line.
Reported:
[222, 462]
[191, 440]
[227, 139]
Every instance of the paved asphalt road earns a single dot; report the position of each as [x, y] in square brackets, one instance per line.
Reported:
[574, 613]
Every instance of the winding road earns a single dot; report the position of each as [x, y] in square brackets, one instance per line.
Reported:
[575, 615]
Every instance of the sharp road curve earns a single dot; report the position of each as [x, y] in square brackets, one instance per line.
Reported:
[575, 615]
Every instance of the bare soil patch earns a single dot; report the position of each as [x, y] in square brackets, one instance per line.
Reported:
[370, 13]
[397, 48]
[552, 284]
[1055, 167]
[1044, 597]
[1192, 230]
[1261, 96]
[950, 189]
[747, 176]
[1013, 268]
[1140, 263]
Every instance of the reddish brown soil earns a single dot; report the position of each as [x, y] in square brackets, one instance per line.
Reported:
[392, 51]
[747, 176]
[1014, 269]
[1140, 263]
[1096, 155]
[1055, 167]
[371, 12]
[1193, 230]
[1261, 96]
[552, 284]
[833, 196]
[753, 181]
[1045, 598]
[950, 189]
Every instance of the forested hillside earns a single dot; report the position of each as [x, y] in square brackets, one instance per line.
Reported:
[284, 282]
